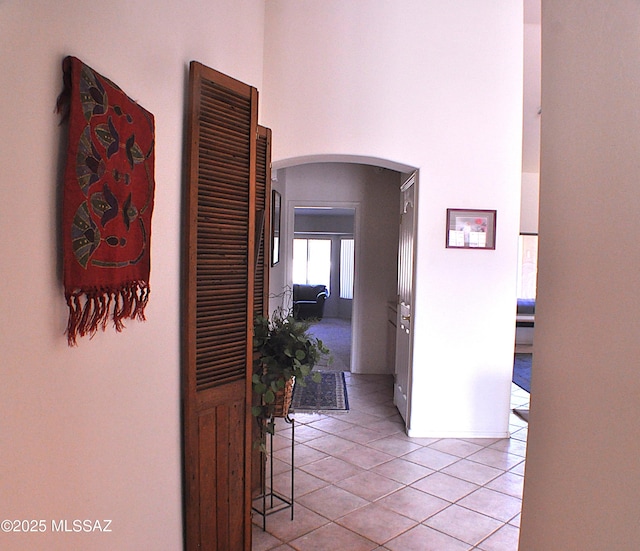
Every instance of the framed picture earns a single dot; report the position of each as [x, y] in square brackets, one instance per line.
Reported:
[471, 229]
[276, 199]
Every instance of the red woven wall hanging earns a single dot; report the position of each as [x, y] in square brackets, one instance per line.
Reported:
[107, 202]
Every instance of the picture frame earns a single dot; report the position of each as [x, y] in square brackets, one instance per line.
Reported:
[276, 200]
[471, 229]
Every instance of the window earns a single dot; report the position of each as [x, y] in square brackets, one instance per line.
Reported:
[346, 268]
[312, 262]
[527, 266]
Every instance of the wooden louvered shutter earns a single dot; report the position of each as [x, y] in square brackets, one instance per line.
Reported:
[218, 309]
[263, 262]
[263, 221]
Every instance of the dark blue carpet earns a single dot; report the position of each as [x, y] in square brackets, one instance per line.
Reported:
[522, 371]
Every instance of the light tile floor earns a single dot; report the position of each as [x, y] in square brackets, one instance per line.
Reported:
[361, 484]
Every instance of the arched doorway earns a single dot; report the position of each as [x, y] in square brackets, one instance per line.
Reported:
[372, 191]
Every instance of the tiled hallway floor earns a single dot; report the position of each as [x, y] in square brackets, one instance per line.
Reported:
[361, 484]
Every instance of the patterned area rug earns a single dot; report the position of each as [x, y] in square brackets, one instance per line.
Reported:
[329, 395]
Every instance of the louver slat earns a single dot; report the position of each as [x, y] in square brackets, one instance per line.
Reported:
[222, 243]
[263, 192]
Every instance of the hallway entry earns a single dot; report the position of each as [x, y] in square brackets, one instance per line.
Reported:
[371, 192]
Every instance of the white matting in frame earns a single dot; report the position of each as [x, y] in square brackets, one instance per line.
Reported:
[471, 229]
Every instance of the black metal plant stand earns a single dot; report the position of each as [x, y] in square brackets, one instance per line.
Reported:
[269, 501]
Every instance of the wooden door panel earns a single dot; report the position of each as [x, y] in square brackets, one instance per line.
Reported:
[219, 244]
[221, 476]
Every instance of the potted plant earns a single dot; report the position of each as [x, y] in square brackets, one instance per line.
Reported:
[285, 354]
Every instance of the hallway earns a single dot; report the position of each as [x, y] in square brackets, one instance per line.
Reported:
[335, 333]
[361, 484]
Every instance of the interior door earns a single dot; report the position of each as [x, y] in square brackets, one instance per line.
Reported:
[401, 393]
[219, 270]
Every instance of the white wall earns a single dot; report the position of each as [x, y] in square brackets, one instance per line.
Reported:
[531, 93]
[531, 118]
[438, 87]
[529, 202]
[582, 485]
[94, 432]
[374, 193]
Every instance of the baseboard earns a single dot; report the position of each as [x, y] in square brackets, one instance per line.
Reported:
[457, 434]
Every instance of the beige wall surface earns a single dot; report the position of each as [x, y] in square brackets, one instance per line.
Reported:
[439, 89]
[529, 203]
[582, 485]
[93, 432]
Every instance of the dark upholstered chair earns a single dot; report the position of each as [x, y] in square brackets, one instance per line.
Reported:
[308, 301]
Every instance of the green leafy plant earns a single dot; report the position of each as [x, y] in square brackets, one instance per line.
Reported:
[284, 349]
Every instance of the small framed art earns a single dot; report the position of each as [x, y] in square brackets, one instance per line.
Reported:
[471, 229]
